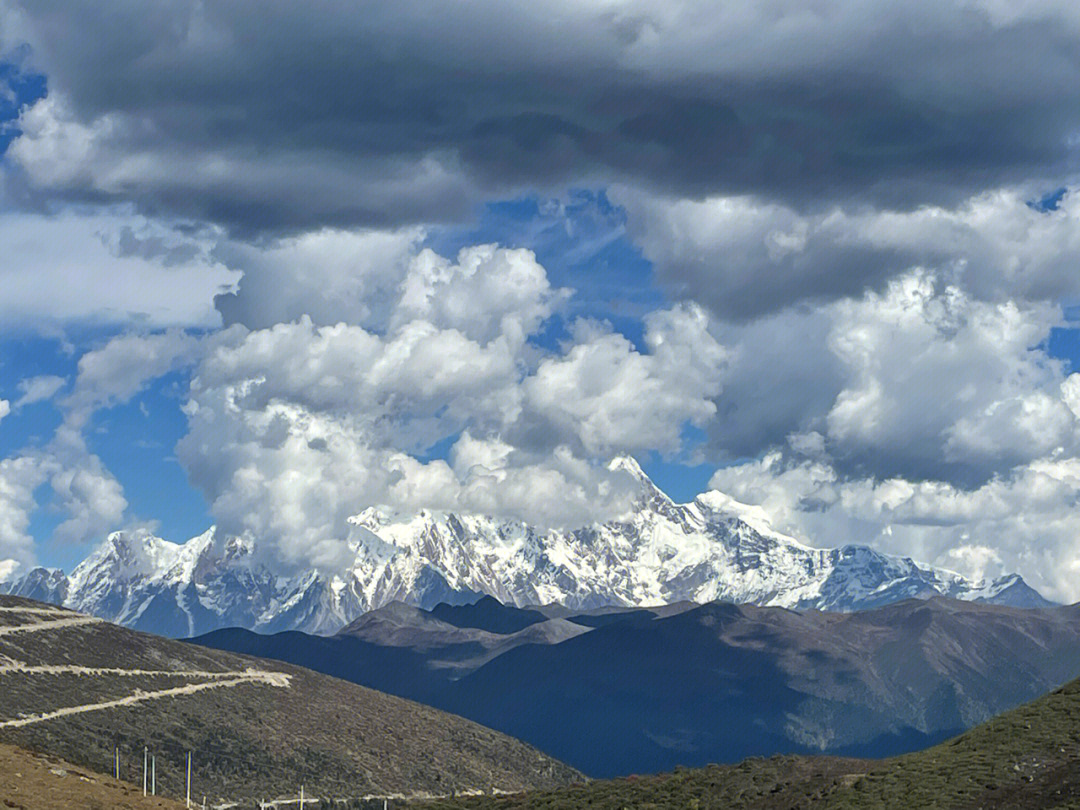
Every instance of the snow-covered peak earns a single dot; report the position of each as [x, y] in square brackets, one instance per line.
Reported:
[130, 554]
[1009, 589]
[373, 516]
[629, 464]
[648, 491]
[142, 556]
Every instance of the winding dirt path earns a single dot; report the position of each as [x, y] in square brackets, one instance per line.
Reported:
[268, 678]
[74, 621]
[70, 669]
[215, 680]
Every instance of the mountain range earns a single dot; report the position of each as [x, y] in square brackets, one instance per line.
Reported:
[632, 690]
[712, 549]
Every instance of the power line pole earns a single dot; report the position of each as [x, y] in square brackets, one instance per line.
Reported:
[153, 775]
[188, 779]
[301, 797]
[116, 762]
[145, 754]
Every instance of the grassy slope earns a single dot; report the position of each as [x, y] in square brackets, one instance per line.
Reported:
[37, 782]
[1026, 758]
[250, 740]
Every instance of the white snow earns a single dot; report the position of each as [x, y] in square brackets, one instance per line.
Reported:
[714, 548]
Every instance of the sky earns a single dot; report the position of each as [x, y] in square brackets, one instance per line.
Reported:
[264, 268]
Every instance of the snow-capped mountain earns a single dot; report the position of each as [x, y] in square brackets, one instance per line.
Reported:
[711, 549]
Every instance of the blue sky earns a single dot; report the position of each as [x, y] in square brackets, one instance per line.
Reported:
[795, 269]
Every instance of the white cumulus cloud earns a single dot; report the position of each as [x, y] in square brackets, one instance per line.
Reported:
[297, 427]
[746, 257]
[1026, 521]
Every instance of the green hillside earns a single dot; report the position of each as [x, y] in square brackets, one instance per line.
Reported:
[1025, 758]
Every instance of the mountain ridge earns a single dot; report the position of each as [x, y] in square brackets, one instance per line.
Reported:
[640, 689]
[712, 548]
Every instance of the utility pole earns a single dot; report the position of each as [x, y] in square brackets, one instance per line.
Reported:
[116, 762]
[301, 797]
[153, 775]
[188, 800]
[145, 754]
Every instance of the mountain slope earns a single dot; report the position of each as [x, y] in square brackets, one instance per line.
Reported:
[76, 687]
[402, 649]
[652, 688]
[1025, 759]
[661, 552]
[40, 782]
[723, 682]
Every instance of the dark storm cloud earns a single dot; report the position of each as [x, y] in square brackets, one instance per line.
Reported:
[275, 116]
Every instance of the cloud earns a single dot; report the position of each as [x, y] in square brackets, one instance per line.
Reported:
[83, 491]
[38, 389]
[19, 477]
[1024, 521]
[87, 495]
[104, 267]
[90, 496]
[331, 276]
[745, 257]
[295, 428]
[921, 380]
[937, 380]
[404, 114]
[122, 367]
[606, 398]
[5, 408]
[862, 293]
[488, 293]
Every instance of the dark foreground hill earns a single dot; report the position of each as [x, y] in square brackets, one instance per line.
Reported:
[78, 687]
[418, 654]
[1026, 759]
[635, 691]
